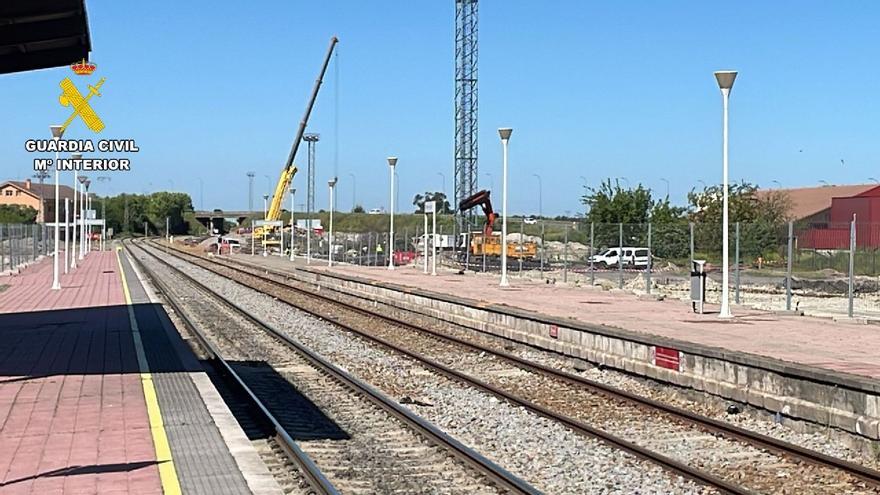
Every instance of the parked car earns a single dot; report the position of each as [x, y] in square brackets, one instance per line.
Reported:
[376, 211]
[633, 257]
[530, 221]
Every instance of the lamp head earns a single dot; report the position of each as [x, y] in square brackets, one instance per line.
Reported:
[725, 79]
[82, 179]
[77, 156]
[332, 182]
[505, 133]
[86, 183]
[392, 161]
[57, 131]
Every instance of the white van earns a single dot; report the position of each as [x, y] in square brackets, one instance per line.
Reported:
[633, 257]
[234, 244]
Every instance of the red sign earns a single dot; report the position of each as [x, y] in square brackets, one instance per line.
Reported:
[554, 331]
[664, 357]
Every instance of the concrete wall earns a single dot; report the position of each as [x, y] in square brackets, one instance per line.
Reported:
[848, 402]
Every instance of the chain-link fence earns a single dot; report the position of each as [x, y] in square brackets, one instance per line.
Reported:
[828, 268]
[21, 244]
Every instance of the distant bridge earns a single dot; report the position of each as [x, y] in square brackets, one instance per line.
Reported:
[213, 219]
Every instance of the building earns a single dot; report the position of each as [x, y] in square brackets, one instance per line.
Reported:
[823, 215]
[28, 193]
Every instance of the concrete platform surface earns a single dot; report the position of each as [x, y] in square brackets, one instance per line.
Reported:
[834, 346]
[81, 411]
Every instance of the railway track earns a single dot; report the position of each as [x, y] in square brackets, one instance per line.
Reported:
[371, 444]
[721, 455]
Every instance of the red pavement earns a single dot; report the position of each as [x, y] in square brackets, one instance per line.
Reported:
[844, 347]
[72, 413]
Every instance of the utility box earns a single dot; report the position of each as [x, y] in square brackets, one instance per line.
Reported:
[698, 285]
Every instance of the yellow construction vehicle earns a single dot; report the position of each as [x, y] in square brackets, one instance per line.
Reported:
[490, 245]
[270, 232]
[486, 242]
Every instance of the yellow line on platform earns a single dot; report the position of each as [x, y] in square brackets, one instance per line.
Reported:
[167, 472]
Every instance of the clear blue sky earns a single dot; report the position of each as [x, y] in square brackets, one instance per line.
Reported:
[211, 90]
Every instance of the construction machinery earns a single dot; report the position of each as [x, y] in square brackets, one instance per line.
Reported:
[486, 243]
[271, 229]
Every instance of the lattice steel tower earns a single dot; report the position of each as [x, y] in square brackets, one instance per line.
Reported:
[465, 102]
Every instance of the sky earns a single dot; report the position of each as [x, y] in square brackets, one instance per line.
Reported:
[593, 90]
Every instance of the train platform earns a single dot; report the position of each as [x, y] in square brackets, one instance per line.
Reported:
[99, 393]
[810, 368]
[835, 346]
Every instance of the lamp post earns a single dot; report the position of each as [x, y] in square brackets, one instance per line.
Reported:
[265, 206]
[392, 164]
[667, 186]
[443, 176]
[87, 241]
[725, 83]
[332, 184]
[82, 219]
[504, 132]
[73, 218]
[292, 223]
[57, 132]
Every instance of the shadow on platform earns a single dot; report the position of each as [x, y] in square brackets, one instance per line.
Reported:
[77, 470]
[83, 341]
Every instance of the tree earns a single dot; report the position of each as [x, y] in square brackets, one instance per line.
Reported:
[762, 215]
[357, 209]
[613, 204]
[17, 214]
[442, 203]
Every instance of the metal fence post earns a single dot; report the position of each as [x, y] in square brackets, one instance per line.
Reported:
[592, 254]
[620, 256]
[852, 254]
[648, 268]
[542, 248]
[2, 251]
[736, 266]
[565, 256]
[522, 226]
[788, 267]
[691, 227]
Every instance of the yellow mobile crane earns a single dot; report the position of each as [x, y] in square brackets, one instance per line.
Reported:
[268, 232]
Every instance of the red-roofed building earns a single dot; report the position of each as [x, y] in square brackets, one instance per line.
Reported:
[825, 213]
[27, 193]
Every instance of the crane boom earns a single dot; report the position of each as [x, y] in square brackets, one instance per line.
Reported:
[305, 119]
[289, 170]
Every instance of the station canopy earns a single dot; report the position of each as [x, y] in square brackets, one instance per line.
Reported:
[39, 34]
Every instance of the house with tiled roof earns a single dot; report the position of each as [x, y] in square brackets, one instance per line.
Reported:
[28, 193]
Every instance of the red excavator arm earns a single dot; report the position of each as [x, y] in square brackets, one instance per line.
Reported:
[482, 199]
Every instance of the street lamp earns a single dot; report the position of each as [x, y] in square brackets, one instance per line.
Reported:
[667, 186]
[57, 132]
[82, 217]
[392, 164]
[874, 180]
[265, 206]
[73, 240]
[292, 223]
[332, 184]
[504, 132]
[725, 83]
[491, 180]
[778, 184]
[87, 241]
